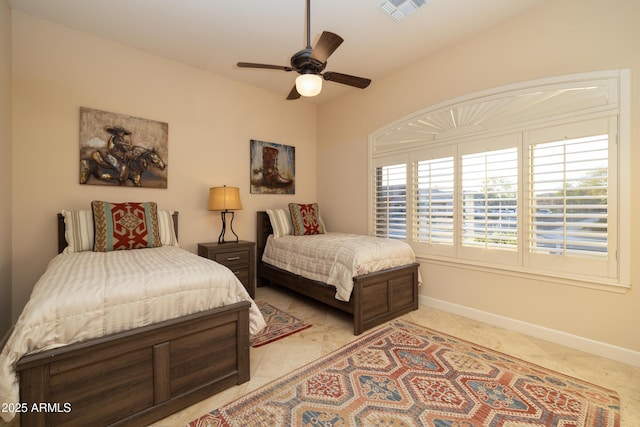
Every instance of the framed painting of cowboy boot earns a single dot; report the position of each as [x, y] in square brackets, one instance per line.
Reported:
[273, 168]
[116, 149]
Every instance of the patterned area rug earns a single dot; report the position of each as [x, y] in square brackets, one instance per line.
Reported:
[407, 375]
[279, 325]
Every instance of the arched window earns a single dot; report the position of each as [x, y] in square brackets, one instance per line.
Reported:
[531, 178]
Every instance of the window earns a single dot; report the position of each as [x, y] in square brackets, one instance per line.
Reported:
[528, 180]
[569, 196]
[489, 201]
[433, 203]
[391, 201]
[572, 215]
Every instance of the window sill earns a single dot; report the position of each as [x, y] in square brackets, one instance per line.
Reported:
[603, 284]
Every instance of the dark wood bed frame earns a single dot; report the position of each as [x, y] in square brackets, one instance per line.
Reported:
[376, 298]
[138, 376]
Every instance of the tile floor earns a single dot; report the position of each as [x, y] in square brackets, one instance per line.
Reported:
[332, 329]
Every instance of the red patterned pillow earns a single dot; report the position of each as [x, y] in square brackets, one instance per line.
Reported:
[305, 219]
[121, 226]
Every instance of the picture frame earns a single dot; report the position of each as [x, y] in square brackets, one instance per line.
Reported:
[273, 168]
[121, 150]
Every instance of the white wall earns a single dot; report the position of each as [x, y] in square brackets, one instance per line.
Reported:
[5, 166]
[211, 121]
[559, 37]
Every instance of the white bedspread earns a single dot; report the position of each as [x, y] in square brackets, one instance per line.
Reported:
[336, 258]
[89, 294]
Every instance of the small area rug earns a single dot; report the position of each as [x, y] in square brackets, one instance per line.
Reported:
[406, 375]
[279, 325]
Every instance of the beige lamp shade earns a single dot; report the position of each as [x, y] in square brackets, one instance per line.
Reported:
[224, 199]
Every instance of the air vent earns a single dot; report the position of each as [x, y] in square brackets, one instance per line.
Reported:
[400, 9]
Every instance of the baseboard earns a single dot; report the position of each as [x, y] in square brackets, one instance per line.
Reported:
[597, 348]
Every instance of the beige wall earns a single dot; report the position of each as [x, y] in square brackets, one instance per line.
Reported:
[57, 70]
[5, 166]
[211, 120]
[560, 37]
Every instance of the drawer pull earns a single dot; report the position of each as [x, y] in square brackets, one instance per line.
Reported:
[233, 258]
[237, 273]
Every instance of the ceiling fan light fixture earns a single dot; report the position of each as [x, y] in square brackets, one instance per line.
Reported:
[308, 84]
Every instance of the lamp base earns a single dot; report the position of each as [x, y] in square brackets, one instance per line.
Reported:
[221, 240]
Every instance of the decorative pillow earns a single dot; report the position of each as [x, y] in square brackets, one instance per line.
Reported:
[280, 222]
[120, 226]
[78, 231]
[305, 219]
[167, 230]
[80, 237]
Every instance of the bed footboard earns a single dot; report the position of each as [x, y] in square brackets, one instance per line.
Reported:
[139, 376]
[383, 296]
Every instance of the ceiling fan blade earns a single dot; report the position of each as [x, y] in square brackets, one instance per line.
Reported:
[327, 44]
[265, 66]
[346, 79]
[293, 94]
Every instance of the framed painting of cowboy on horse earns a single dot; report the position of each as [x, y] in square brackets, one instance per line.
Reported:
[273, 168]
[116, 149]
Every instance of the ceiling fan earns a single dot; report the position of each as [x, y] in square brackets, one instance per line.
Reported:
[310, 64]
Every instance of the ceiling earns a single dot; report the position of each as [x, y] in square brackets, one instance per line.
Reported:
[216, 34]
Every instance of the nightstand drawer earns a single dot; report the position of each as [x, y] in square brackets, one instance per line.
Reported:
[238, 257]
[232, 258]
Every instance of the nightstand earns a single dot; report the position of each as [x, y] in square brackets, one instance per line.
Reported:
[238, 257]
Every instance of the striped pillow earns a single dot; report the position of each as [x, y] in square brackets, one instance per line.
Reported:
[79, 230]
[167, 231]
[280, 222]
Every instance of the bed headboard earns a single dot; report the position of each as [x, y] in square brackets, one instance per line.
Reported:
[62, 242]
[263, 229]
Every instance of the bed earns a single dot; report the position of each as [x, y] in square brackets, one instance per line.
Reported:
[137, 376]
[376, 297]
